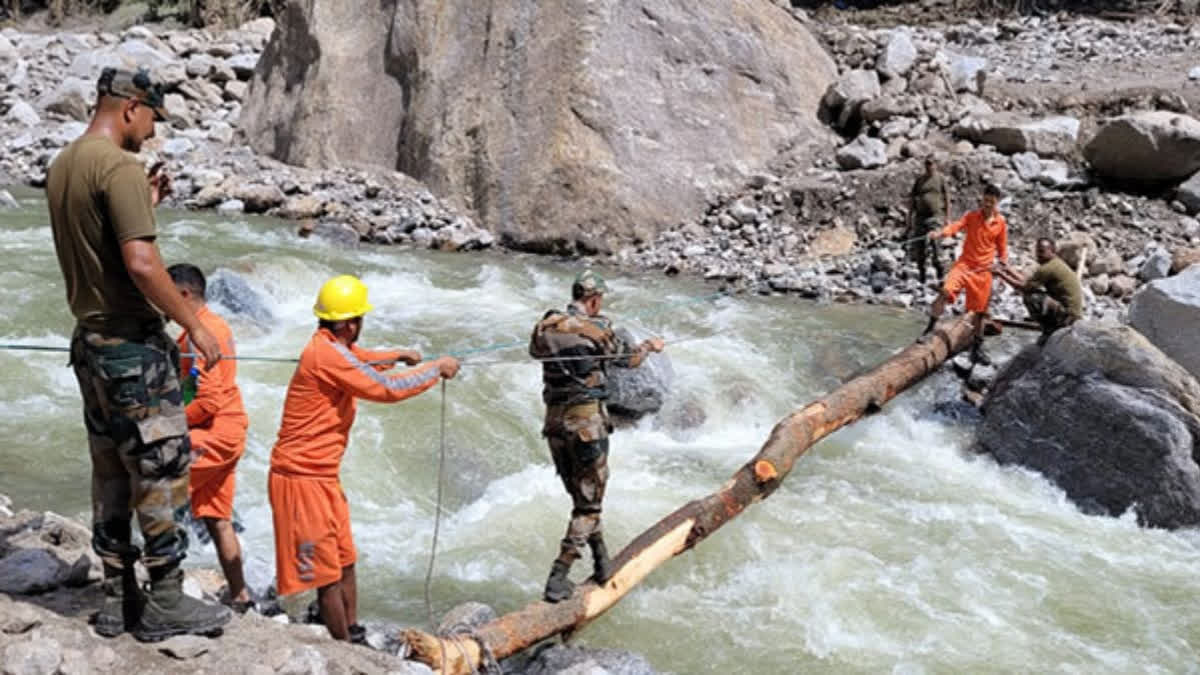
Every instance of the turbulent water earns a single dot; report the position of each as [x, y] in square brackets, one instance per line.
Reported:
[889, 548]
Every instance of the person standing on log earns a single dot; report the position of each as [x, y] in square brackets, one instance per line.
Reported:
[576, 348]
[217, 425]
[987, 240]
[314, 547]
[929, 209]
[101, 204]
[1053, 294]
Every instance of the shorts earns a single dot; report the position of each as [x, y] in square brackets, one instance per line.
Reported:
[977, 283]
[313, 541]
[213, 476]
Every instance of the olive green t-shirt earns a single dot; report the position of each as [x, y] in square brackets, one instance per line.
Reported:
[1060, 283]
[99, 198]
[929, 196]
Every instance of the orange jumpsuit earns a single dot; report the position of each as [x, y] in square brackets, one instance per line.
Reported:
[217, 424]
[986, 240]
[312, 520]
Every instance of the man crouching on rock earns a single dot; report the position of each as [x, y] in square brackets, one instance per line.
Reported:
[576, 349]
[987, 239]
[101, 205]
[313, 544]
[1053, 294]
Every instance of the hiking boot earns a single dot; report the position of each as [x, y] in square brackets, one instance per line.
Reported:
[110, 620]
[978, 356]
[558, 586]
[170, 612]
[358, 635]
[601, 565]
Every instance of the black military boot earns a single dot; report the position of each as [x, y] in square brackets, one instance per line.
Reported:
[558, 586]
[169, 611]
[601, 565]
[110, 620]
[978, 356]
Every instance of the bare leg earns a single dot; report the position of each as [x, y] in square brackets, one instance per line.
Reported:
[350, 594]
[229, 553]
[935, 312]
[333, 610]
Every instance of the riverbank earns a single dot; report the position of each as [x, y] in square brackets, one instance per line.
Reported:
[811, 227]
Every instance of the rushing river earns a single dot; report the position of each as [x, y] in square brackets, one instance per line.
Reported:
[889, 548]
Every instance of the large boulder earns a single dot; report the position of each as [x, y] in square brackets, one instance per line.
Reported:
[564, 126]
[1108, 417]
[634, 392]
[1167, 312]
[1188, 194]
[232, 292]
[1152, 146]
[841, 106]
[1010, 133]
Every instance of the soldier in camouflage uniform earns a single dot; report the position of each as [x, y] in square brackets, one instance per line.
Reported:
[101, 205]
[577, 425]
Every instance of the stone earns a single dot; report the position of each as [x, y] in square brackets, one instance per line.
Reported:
[1181, 260]
[301, 207]
[1027, 165]
[863, 152]
[1156, 266]
[1100, 284]
[230, 207]
[183, 44]
[257, 197]
[1010, 133]
[572, 660]
[305, 660]
[184, 647]
[229, 290]
[898, 55]
[1122, 286]
[1167, 312]
[1106, 263]
[74, 662]
[262, 27]
[200, 65]
[966, 73]
[17, 618]
[33, 570]
[210, 195]
[23, 114]
[1194, 73]
[1106, 416]
[236, 90]
[242, 65]
[37, 657]
[1188, 194]
[887, 107]
[634, 392]
[172, 75]
[203, 91]
[8, 52]
[836, 242]
[744, 211]
[73, 97]
[658, 100]
[220, 132]
[179, 114]
[1074, 247]
[7, 201]
[177, 148]
[1150, 146]
[844, 98]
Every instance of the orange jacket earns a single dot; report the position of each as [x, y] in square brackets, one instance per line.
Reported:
[985, 240]
[217, 406]
[320, 404]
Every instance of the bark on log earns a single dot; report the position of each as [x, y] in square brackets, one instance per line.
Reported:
[679, 531]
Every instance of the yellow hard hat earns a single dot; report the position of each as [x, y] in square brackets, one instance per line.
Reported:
[342, 298]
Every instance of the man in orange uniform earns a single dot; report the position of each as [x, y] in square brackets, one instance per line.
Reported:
[313, 544]
[217, 425]
[987, 239]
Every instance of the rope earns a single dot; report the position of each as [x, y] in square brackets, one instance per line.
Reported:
[437, 511]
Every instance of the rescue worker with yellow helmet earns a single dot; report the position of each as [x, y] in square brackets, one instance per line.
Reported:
[313, 543]
[577, 424]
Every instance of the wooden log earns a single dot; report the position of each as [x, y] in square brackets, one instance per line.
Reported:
[680, 530]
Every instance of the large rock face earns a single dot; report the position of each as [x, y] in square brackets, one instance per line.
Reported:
[1167, 312]
[565, 126]
[1151, 146]
[1105, 415]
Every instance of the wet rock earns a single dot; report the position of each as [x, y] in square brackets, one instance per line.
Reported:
[862, 153]
[231, 291]
[231, 207]
[7, 201]
[1167, 312]
[564, 659]
[1105, 415]
[634, 392]
[36, 657]
[1146, 146]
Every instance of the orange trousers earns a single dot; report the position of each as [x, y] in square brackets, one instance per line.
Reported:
[313, 541]
[977, 283]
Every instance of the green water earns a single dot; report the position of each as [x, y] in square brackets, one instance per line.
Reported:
[889, 548]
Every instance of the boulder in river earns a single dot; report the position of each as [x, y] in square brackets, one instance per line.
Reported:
[232, 292]
[1105, 415]
[634, 392]
[1167, 312]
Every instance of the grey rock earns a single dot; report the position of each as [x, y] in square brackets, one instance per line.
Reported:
[422, 237]
[172, 75]
[73, 98]
[1194, 73]
[842, 101]
[17, 618]
[229, 290]
[611, 86]
[888, 107]
[179, 114]
[1167, 312]
[634, 392]
[200, 65]
[1156, 266]
[1027, 165]
[305, 660]
[898, 55]
[1107, 263]
[694, 251]
[231, 206]
[184, 647]
[1150, 146]
[257, 197]
[8, 53]
[1122, 286]
[570, 660]
[176, 148]
[966, 73]
[35, 570]
[183, 44]
[1100, 284]
[35, 657]
[744, 211]
[242, 65]
[1010, 133]
[862, 153]
[300, 207]
[1188, 193]
[7, 201]
[236, 90]
[1106, 416]
[220, 132]
[23, 114]
[221, 73]
[203, 91]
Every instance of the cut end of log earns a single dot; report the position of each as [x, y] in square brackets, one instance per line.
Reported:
[446, 655]
[764, 471]
[423, 647]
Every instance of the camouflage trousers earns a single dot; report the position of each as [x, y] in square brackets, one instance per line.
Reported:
[1048, 312]
[920, 249]
[578, 439]
[137, 434]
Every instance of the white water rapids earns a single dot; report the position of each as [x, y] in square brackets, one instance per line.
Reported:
[890, 548]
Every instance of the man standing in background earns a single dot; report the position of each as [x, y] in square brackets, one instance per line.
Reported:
[101, 206]
[217, 426]
[929, 210]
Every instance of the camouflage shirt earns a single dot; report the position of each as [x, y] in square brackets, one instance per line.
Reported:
[587, 345]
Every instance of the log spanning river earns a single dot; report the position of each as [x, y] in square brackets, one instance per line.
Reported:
[890, 548]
